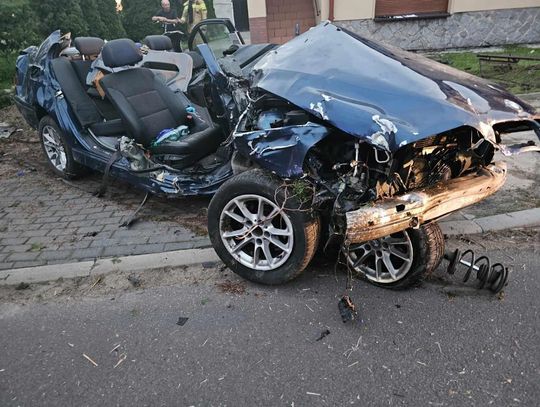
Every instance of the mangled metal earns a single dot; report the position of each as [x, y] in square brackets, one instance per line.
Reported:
[382, 218]
[282, 150]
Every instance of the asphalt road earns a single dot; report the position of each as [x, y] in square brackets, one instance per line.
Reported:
[439, 344]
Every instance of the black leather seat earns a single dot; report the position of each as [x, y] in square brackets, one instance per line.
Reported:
[81, 104]
[147, 106]
[158, 42]
[88, 47]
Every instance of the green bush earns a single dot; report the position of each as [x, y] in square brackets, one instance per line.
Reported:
[7, 70]
[137, 18]
[17, 26]
[111, 20]
[66, 15]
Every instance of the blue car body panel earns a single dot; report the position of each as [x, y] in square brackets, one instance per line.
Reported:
[381, 95]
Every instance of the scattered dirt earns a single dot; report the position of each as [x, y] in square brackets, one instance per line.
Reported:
[20, 153]
[117, 284]
[516, 199]
[231, 287]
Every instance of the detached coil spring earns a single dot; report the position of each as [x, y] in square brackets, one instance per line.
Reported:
[493, 277]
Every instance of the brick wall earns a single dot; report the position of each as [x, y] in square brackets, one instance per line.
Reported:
[283, 15]
[258, 30]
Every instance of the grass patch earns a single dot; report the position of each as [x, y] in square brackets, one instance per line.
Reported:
[522, 77]
[7, 72]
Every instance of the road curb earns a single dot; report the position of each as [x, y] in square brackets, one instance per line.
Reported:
[139, 263]
[179, 258]
[513, 220]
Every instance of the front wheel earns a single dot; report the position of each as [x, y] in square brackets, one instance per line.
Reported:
[256, 234]
[398, 261]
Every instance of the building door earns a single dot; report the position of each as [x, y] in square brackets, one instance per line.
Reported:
[241, 17]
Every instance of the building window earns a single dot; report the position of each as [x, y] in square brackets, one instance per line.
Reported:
[411, 8]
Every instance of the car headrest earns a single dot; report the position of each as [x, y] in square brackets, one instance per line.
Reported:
[198, 60]
[121, 52]
[158, 42]
[88, 45]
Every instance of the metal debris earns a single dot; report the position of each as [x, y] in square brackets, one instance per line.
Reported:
[7, 130]
[134, 280]
[324, 334]
[491, 276]
[182, 321]
[133, 217]
[347, 309]
[22, 286]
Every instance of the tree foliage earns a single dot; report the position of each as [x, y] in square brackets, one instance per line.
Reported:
[66, 15]
[111, 19]
[15, 32]
[26, 22]
[92, 17]
[137, 18]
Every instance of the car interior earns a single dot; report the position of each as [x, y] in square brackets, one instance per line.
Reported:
[137, 102]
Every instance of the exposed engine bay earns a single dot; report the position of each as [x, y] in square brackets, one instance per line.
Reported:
[345, 173]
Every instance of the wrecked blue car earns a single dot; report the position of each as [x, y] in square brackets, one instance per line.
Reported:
[330, 139]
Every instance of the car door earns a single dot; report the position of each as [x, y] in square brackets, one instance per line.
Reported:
[218, 33]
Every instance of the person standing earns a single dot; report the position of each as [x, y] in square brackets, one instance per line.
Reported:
[167, 16]
[194, 12]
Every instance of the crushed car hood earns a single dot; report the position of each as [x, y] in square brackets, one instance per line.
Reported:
[382, 95]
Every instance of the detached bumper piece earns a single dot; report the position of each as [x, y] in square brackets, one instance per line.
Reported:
[415, 208]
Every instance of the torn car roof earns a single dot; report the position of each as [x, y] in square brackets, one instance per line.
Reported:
[385, 96]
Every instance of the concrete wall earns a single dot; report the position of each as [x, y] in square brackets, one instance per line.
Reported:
[257, 8]
[460, 30]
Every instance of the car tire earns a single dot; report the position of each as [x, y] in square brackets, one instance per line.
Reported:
[272, 245]
[412, 253]
[57, 150]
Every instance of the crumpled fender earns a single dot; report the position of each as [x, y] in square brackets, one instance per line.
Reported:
[280, 150]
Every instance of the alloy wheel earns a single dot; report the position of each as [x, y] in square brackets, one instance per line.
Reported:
[54, 148]
[256, 232]
[385, 260]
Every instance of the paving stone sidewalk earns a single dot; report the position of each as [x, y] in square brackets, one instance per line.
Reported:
[43, 220]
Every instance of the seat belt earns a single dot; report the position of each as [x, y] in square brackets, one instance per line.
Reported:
[133, 217]
[105, 180]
